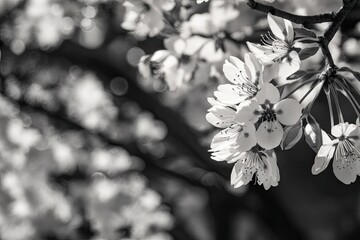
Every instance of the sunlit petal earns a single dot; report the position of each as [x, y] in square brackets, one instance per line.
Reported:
[269, 134]
[268, 93]
[288, 111]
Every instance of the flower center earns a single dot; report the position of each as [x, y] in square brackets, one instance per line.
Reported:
[268, 114]
[146, 7]
[346, 150]
[155, 68]
[184, 59]
[278, 47]
[254, 159]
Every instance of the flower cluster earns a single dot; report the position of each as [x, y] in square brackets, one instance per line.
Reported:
[256, 117]
[268, 99]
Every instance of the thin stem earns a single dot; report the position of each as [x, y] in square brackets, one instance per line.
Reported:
[308, 92]
[337, 104]
[347, 93]
[298, 87]
[331, 111]
[320, 18]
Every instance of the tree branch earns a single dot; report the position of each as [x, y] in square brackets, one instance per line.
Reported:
[324, 44]
[337, 21]
[330, 32]
[320, 18]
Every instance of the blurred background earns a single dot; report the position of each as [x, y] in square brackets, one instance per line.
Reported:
[90, 149]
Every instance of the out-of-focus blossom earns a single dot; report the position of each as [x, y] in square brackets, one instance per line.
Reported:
[86, 100]
[147, 128]
[201, 1]
[43, 21]
[344, 148]
[110, 161]
[173, 65]
[124, 208]
[145, 17]
[33, 206]
[210, 30]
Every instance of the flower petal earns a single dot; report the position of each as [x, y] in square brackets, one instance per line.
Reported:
[254, 69]
[268, 174]
[229, 94]
[234, 70]
[247, 137]
[345, 169]
[323, 158]
[211, 53]
[171, 78]
[289, 64]
[175, 45]
[277, 26]
[339, 129]
[166, 5]
[268, 93]
[269, 134]
[220, 116]
[247, 111]
[241, 174]
[352, 131]
[226, 137]
[202, 23]
[288, 111]
[263, 53]
[289, 31]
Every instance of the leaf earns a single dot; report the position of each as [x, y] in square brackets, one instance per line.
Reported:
[355, 83]
[297, 75]
[292, 135]
[307, 52]
[301, 75]
[347, 69]
[312, 133]
[304, 32]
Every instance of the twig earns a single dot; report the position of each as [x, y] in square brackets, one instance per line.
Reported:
[330, 32]
[319, 18]
[339, 18]
[324, 44]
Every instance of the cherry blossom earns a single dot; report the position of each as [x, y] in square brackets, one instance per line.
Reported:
[279, 48]
[269, 112]
[344, 148]
[256, 162]
[229, 144]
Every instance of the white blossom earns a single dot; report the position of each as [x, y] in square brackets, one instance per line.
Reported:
[174, 65]
[270, 112]
[279, 48]
[145, 17]
[256, 162]
[344, 148]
